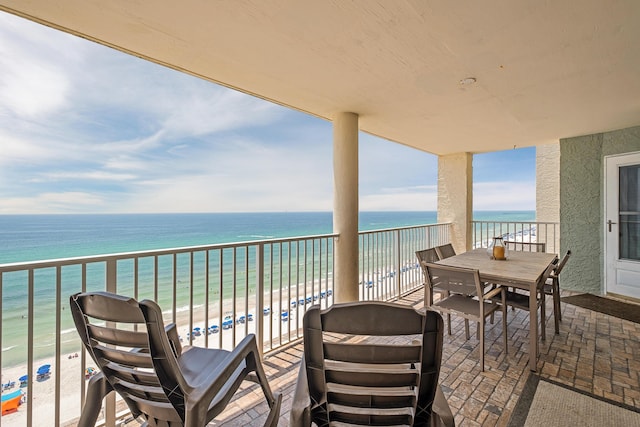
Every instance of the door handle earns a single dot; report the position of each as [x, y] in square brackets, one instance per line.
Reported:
[609, 223]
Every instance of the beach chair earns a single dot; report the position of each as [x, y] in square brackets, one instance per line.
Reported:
[43, 372]
[160, 381]
[370, 363]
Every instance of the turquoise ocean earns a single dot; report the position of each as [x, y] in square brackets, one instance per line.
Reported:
[26, 238]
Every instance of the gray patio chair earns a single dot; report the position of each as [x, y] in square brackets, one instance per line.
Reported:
[445, 251]
[465, 284]
[161, 382]
[371, 363]
[523, 247]
[432, 255]
[552, 287]
[520, 299]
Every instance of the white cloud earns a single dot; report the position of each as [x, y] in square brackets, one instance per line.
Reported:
[416, 198]
[507, 195]
[33, 82]
[63, 202]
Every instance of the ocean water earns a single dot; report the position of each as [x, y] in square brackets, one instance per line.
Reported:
[39, 237]
[26, 238]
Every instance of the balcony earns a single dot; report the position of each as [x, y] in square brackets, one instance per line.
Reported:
[252, 285]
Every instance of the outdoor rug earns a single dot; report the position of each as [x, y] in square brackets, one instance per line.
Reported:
[608, 306]
[549, 404]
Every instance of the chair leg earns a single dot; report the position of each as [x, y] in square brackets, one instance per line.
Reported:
[543, 315]
[466, 328]
[249, 348]
[504, 323]
[481, 330]
[449, 323]
[557, 314]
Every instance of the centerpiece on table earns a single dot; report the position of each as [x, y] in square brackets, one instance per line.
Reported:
[498, 250]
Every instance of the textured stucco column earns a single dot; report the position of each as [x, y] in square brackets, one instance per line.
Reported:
[345, 206]
[455, 197]
[548, 189]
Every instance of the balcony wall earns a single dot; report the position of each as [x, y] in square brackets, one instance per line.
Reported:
[582, 203]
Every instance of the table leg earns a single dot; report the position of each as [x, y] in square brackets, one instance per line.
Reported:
[533, 330]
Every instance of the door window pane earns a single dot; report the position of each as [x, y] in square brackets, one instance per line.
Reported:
[630, 212]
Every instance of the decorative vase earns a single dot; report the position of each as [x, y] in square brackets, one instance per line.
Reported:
[498, 250]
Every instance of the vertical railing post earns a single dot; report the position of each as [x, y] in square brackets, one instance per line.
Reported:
[111, 286]
[398, 257]
[260, 297]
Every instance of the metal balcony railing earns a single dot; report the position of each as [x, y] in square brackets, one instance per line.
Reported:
[216, 295]
[483, 232]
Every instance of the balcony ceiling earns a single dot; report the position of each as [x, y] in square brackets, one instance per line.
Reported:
[544, 70]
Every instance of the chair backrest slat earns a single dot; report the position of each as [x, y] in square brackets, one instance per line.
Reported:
[120, 337]
[371, 353]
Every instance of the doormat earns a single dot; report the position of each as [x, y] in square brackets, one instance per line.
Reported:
[547, 403]
[608, 306]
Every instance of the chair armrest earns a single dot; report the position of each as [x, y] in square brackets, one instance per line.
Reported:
[300, 415]
[197, 402]
[493, 292]
[441, 412]
[174, 339]
[97, 389]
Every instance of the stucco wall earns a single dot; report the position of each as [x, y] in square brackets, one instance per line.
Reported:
[548, 183]
[582, 204]
[455, 197]
[548, 191]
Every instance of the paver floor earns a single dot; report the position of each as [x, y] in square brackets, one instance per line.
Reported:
[595, 353]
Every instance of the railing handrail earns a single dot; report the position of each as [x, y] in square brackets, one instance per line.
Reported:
[484, 221]
[14, 266]
[153, 252]
[407, 227]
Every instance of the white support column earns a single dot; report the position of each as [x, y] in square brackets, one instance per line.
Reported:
[455, 197]
[345, 206]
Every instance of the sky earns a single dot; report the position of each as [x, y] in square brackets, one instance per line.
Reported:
[87, 129]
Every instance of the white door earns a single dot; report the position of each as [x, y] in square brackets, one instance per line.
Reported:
[622, 225]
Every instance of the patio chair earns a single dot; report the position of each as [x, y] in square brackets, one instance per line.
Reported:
[143, 361]
[432, 255]
[445, 251]
[523, 247]
[465, 284]
[520, 300]
[371, 363]
[552, 287]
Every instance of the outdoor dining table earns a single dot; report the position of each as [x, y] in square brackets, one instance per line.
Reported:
[521, 270]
